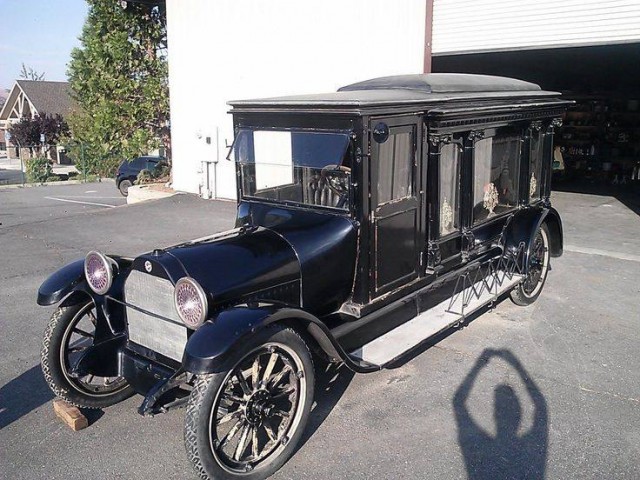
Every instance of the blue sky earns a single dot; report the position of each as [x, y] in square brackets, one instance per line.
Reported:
[40, 33]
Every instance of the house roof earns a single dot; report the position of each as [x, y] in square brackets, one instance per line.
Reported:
[48, 97]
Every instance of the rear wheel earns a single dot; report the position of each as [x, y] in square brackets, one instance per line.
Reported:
[70, 332]
[124, 187]
[529, 290]
[245, 422]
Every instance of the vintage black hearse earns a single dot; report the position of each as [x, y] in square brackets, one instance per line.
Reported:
[369, 220]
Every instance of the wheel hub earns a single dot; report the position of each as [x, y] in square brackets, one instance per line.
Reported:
[258, 407]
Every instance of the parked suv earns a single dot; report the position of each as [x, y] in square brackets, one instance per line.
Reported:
[128, 171]
[369, 221]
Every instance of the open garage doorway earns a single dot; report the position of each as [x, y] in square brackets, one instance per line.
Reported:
[598, 146]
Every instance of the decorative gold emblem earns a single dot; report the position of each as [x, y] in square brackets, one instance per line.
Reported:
[490, 197]
[446, 216]
[533, 186]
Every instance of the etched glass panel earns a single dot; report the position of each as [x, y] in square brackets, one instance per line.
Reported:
[496, 162]
[449, 166]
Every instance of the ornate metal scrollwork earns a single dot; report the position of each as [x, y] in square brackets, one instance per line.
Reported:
[536, 125]
[468, 242]
[476, 135]
[556, 122]
[437, 138]
[433, 254]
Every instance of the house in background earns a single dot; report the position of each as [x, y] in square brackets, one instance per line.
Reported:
[29, 98]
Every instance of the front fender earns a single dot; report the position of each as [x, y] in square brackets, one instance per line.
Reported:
[61, 283]
[70, 278]
[209, 347]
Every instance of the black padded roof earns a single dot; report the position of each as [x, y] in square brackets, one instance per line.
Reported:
[444, 83]
[408, 90]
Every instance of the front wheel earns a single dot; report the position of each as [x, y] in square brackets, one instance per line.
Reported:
[529, 290]
[70, 332]
[246, 421]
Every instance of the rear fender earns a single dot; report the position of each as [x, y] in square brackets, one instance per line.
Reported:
[524, 226]
[556, 240]
[210, 346]
[521, 230]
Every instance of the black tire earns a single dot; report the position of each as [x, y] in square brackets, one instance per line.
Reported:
[123, 186]
[56, 357]
[211, 391]
[530, 289]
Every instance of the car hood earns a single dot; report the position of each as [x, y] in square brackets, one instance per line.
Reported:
[300, 258]
[229, 265]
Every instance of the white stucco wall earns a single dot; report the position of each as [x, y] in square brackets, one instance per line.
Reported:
[231, 49]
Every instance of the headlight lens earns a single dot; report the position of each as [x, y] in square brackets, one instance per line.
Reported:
[98, 270]
[191, 302]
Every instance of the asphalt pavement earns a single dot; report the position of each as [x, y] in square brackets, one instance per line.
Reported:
[547, 391]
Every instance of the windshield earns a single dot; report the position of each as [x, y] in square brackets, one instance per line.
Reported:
[310, 168]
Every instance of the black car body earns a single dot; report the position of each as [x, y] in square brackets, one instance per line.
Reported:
[369, 220]
[128, 171]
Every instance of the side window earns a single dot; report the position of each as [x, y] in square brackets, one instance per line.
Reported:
[396, 162]
[535, 164]
[449, 188]
[496, 162]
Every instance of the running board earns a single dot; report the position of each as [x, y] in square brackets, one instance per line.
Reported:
[392, 345]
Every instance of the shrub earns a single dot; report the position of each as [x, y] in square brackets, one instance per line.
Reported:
[38, 169]
[144, 176]
[53, 178]
[160, 174]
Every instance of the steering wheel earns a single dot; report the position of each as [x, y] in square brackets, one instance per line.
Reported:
[336, 183]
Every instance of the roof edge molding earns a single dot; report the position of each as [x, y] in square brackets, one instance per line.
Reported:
[444, 83]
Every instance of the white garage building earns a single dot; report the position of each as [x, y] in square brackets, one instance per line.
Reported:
[232, 49]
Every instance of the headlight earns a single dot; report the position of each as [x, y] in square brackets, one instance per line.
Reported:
[98, 270]
[191, 302]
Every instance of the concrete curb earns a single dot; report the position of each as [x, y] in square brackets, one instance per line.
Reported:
[62, 182]
[143, 193]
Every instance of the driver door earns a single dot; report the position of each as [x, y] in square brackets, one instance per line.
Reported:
[395, 202]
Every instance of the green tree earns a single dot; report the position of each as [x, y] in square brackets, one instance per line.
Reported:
[29, 73]
[119, 77]
[27, 131]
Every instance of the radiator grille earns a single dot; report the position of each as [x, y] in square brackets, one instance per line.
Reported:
[155, 295]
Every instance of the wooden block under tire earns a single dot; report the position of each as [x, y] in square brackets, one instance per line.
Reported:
[70, 415]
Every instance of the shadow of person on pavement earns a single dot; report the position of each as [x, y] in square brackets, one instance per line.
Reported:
[506, 455]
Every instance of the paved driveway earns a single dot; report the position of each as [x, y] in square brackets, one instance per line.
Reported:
[563, 375]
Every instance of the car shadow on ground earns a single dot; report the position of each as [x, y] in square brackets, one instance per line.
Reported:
[27, 393]
[22, 395]
[332, 380]
[508, 453]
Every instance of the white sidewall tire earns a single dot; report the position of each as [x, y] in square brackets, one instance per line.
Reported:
[519, 295]
[204, 396]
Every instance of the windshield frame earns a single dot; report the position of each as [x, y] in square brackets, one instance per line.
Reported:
[349, 153]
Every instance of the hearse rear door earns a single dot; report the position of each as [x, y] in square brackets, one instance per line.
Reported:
[396, 221]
